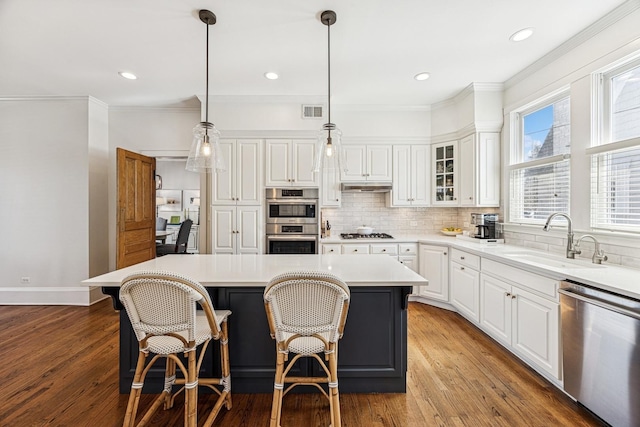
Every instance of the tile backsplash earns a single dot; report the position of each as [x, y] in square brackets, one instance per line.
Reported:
[370, 209]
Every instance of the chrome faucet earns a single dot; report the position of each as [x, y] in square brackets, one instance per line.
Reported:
[571, 250]
[598, 254]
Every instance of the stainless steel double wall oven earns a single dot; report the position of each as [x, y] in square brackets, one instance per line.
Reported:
[293, 220]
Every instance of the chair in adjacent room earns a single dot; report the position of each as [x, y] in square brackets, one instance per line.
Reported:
[180, 246]
[162, 309]
[161, 224]
[307, 312]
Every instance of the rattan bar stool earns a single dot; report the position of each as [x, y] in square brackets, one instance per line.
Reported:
[307, 312]
[162, 309]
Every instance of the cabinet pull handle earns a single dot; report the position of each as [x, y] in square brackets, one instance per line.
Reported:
[461, 257]
[461, 268]
[513, 296]
[507, 294]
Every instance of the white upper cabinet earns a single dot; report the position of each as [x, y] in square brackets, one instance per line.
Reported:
[444, 159]
[290, 163]
[411, 176]
[331, 195]
[367, 163]
[241, 182]
[480, 170]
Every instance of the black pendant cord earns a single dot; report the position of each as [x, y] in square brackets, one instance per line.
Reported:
[206, 95]
[329, 78]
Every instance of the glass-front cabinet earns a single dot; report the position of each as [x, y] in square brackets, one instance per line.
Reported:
[445, 170]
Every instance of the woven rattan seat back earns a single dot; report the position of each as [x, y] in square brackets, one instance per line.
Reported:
[307, 303]
[307, 311]
[160, 303]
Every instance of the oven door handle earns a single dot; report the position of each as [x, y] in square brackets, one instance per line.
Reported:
[306, 237]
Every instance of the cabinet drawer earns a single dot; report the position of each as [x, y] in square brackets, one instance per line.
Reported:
[407, 249]
[331, 248]
[355, 249]
[534, 282]
[465, 258]
[382, 248]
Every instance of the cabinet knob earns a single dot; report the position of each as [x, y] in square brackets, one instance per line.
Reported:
[384, 250]
[444, 253]
[513, 296]
[330, 250]
[337, 200]
[355, 250]
[461, 257]
[408, 249]
[507, 294]
[461, 268]
[470, 198]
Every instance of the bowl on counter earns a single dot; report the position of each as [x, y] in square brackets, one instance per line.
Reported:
[451, 232]
[364, 230]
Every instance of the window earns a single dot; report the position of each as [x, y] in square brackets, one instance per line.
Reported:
[615, 154]
[539, 168]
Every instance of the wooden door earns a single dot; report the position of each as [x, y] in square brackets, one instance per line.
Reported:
[135, 237]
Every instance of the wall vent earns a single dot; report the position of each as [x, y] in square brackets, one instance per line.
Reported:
[312, 111]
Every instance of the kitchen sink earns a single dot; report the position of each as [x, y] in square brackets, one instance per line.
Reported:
[551, 260]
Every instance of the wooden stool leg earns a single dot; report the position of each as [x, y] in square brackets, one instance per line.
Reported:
[226, 368]
[191, 392]
[333, 389]
[276, 407]
[169, 379]
[136, 389]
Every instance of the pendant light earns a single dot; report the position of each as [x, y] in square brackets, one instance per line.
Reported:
[329, 156]
[205, 153]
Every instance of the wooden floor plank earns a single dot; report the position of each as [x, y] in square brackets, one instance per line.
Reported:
[61, 369]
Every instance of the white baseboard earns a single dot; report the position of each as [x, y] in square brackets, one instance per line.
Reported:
[72, 295]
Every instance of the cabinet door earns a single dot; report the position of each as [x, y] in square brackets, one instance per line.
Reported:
[420, 175]
[535, 330]
[355, 163]
[278, 163]
[378, 163]
[303, 159]
[402, 171]
[410, 261]
[495, 308]
[192, 243]
[355, 249]
[224, 181]
[223, 229]
[467, 171]
[434, 266]
[465, 291]
[248, 188]
[249, 231]
[488, 175]
[330, 189]
[445, 174]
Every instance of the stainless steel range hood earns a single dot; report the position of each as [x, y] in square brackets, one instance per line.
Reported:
[361, 187]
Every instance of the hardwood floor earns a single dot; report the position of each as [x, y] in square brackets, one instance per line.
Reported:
[60, 369]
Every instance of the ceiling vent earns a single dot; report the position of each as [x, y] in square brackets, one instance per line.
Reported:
[312, 111]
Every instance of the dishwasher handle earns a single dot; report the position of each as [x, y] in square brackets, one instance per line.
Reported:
[606, 305]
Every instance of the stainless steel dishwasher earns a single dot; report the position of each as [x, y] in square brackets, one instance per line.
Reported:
[601, 352]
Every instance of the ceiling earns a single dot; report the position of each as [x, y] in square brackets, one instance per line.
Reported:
[77, 47]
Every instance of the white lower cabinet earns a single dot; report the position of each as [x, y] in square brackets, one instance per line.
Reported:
[526, 322]
[408, 255]
[434, 266]
[464, 280]
[236, 230]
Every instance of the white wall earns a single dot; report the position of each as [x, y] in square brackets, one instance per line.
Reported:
[45, 157]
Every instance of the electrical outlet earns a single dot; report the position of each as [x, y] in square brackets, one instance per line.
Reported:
[413, 223]
[25, 279]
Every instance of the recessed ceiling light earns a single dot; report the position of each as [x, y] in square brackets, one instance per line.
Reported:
[422, 76]
[271, 75]
[523, 34]
[128, 75]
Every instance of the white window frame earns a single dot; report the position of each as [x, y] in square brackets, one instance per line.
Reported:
[517, 154]
[603, 144]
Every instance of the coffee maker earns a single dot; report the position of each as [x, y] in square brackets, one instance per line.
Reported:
[485, 225]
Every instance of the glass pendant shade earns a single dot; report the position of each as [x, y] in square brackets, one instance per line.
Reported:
[329, 154]
[205, 154]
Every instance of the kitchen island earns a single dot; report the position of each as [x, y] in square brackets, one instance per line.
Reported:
[373, 351]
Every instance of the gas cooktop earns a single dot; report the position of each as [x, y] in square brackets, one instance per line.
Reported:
[365, 236]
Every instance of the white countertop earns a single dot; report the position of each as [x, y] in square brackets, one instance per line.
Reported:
[256, 270]
[610, 277]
